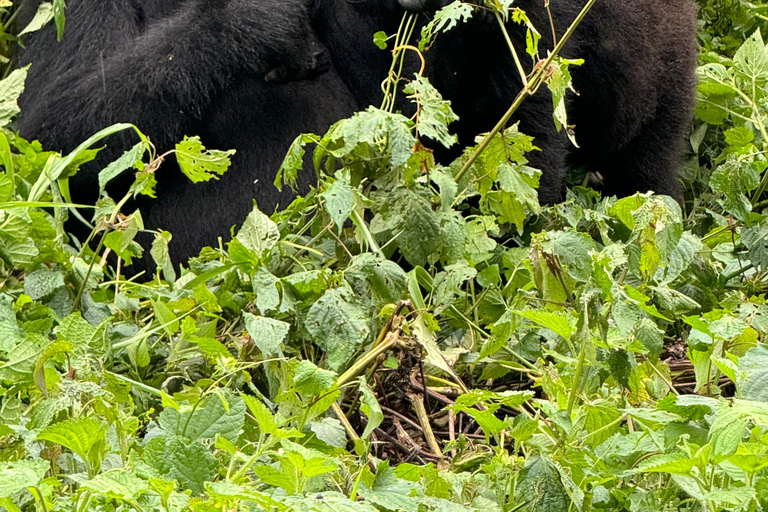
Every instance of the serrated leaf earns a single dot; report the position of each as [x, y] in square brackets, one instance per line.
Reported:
[339, 201]
[218, 414]
[262, 414]
[330, 431]
[557, 322]
[675, 463]
[42, 283]
[435, 113]
[752, 375]
[189, 462]
[540, 486]
[267, 333]
[310, 380]
[258, 233]
[293, 161]
[76, 330]
[128, 159]
[117, 484]
[444, 20]
[200, 164]
[76, 434]
[19, 475]
[338, 324]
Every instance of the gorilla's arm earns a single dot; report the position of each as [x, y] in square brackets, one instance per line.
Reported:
[164, 79]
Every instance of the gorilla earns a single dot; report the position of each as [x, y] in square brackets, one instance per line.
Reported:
[242, 74]
[636, 88]
[252, 74]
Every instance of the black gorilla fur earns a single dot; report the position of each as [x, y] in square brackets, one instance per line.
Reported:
[198, 67]
[243, 74]
[636, 87]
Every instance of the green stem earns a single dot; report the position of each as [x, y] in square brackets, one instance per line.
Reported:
[362, 363]
[739, 272]
[112, 219]
[243, 470]
[137, 384]
[576, 384]
[536, 79]
[360, 223]
[88, 273]
[523, 74]
[36, 490]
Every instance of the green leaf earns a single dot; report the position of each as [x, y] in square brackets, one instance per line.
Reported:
[11, 88]
[293, 161]
[739, 136]
[751, 59]
[732, 181]
[43, 283]
[261, 413]
[43, 15]
[130, 158]
[752, 375]
[268, 334]
[200, 164]
[435, 113]
[540, 486]
[339, 201]
[330, 431]
[384, 277]
[380, 40]
[310, 380]
[325, 501]
[560, 323]
[76, 434]
[390, 492]
[338, 324]
[258, 234]
[409, 213]
[76, 330]
[572, 251]
[444, 20]
[117, 484]
[369, 405]
[218, 414]
[296, 465]
[20, 475]
[600, 422]
[189, 462]
[675, 463]
[161, 255]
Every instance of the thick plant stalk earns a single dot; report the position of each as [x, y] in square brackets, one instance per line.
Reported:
[417, 401]
[388, 338]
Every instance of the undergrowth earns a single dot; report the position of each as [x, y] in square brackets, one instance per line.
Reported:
[407, 336]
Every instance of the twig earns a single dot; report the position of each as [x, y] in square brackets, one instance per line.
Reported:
[418, 386]
[403, 436]
[417, 400]
[452, 430]
[397, 415]
[397, 444]
[345, 422]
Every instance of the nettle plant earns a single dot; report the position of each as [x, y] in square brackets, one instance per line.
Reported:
[515, 354]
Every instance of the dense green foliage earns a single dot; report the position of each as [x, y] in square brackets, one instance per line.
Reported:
[598, 354]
